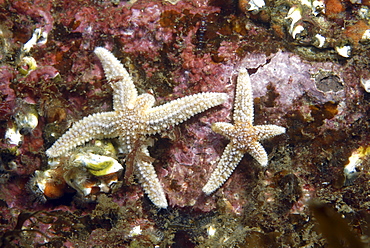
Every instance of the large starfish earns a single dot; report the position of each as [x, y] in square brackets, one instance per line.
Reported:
[243, 136]
[132, 120]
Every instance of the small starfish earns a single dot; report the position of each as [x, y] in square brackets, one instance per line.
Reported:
[243, 136]
[132, 120]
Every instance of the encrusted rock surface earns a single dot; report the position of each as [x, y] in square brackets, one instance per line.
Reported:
[174, 49]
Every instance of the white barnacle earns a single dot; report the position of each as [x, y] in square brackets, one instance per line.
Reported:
[295, 14]
[344, 51]
[38, 36]
[320, 40]
[13, 136]
[365, 83]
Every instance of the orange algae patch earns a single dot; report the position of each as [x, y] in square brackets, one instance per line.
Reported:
[333, 7]
[54, 190]
[355, 32]
[366, 2]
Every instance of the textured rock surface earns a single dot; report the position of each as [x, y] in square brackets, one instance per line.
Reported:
[174, 50]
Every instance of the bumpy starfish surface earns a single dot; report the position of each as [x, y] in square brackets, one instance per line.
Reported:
[243, 136]
[133, 119]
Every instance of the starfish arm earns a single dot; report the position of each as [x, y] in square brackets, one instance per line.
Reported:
[228, 162]
[150, 182]
[144, 102]
[243, 106]
[127, 142]
[179, 110]
[268, 131]
[124, 91]
[95, 126]
[257, 151]
[224, 128]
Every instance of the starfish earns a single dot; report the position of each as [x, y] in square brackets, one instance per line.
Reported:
[133, 118]
[243, 136]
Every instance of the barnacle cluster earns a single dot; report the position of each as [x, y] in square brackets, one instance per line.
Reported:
[355, 162]
[25, 120]
[88, 170]
[317, 28]
[26, 63]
